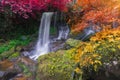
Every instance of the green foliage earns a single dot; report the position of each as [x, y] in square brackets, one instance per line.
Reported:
[12, 28]
[7, 54]
[25, 69]
[13, 43]
[14, 55]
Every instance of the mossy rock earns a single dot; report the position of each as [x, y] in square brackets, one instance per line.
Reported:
[10, 54]
[14, 55]
[25, 69]
[55, 66]
[73, 42]
[6, 54]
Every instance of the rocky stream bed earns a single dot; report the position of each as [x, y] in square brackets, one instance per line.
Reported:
[56, 65]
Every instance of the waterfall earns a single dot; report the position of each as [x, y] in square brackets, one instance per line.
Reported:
[42, 46]
[63, 32]
[63, 29]
[46, 42]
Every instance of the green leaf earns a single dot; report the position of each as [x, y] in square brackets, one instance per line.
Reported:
[80, 78]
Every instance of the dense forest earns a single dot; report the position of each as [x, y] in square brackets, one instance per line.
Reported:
[59, 39]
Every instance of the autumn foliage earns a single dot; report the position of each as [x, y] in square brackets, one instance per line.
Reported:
[102, 48]
[29, 8]
[94, 12]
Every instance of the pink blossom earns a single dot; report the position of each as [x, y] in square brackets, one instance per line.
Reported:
[28, 7]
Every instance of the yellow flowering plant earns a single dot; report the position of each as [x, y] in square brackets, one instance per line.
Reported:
[102, 48]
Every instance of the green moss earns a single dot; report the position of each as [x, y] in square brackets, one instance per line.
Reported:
[14, 55]
[55, 66]
[25, 69]
[73, 42]
[6, 54]
[11, 53]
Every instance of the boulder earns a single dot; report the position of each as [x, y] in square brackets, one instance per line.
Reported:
[55, 66]
[72, 42]
[21, 68]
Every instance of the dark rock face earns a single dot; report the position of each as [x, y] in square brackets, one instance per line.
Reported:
[109, 72]
[85, 34]
[56, 46]
[7, 70]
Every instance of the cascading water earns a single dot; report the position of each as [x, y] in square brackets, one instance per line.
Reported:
[63, 29]
[63, 32]
[42, 46]
[47, 43]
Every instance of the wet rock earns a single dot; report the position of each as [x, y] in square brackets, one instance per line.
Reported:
[85, 35]
[2, 73]
[21, 68]
[28, 47]
[25, 53]
[8, 76]
[6, 64]
[27, 61]
[113, 69]
[7, 70]
[54, 46]
[90, 30]
[103, 76]
[28, 67]
[110, 71]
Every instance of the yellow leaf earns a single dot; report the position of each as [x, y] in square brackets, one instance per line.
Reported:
[77, 70]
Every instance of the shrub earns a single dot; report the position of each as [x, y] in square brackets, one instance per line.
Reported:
[13, 43]
[102, 48]
[29, 8]
[95, 12]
